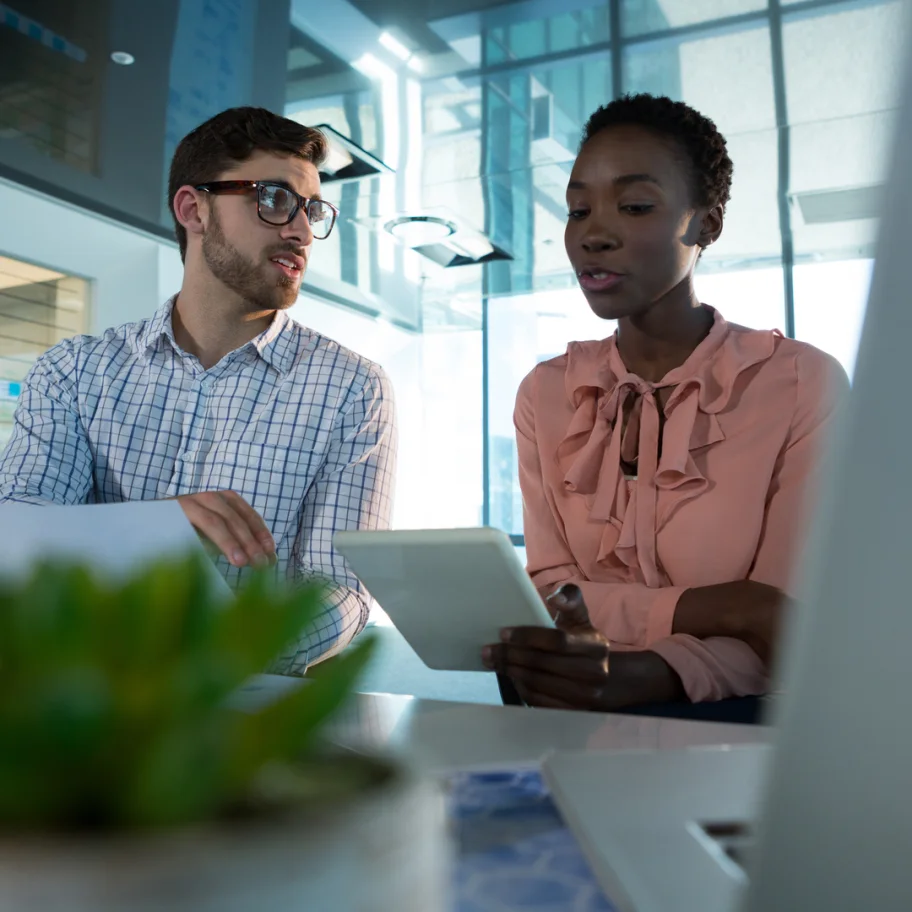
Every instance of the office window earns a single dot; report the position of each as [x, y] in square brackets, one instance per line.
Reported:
[524, 330]
[744, 112]
[451, 151]
[451, 474]
[830, 303]
[380, 116]
[749, 297]
[499, 130]
[841, 71]
[38, 308]
[436, 377]
[641, 16]
[842, 62]
[535, 37]
[690, 69]
[751, 231]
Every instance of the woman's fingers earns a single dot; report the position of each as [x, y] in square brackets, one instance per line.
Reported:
[591, 669]
[541, 687]
[568, 609]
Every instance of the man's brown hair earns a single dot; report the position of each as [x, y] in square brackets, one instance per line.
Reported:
[230, 138]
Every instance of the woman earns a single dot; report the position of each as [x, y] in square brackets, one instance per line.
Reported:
[663, 470]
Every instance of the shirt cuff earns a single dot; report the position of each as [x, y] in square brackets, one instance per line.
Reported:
[632, 616]
[715, 668]
[31, 499]
[662, 612]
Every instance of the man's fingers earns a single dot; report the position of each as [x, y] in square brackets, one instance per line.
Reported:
[214, 527]
[229, 507]
[220, 519]
[227, 535]
[255, 522]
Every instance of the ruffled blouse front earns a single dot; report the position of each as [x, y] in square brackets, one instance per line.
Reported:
[615, 410]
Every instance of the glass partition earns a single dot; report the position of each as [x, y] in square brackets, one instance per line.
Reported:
[38, 308]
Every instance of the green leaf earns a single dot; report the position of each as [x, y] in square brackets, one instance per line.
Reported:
[113, 696]
[285, 728]
[176, 781]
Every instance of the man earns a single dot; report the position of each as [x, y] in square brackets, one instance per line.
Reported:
[270, 436]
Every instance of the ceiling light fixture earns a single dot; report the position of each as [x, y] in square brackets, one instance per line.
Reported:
[415, 230]
[346, 160]
[398, 49]
[473, 246]
[372, 67]
[122, 58]
[394, 46]
[441, 237]
[843, 204]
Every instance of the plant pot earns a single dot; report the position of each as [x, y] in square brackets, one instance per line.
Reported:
[383, 847]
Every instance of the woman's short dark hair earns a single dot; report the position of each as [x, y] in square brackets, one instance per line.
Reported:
[230, 138]
[694, 135]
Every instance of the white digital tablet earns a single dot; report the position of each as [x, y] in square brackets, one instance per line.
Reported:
[448, 591]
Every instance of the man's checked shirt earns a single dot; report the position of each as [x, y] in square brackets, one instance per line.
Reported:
[300, 427]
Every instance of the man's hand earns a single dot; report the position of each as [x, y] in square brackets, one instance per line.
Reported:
[232, 525]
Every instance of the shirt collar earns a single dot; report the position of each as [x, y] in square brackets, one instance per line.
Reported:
[158, 327]
[275, 345]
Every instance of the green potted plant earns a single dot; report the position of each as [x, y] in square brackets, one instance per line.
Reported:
[129, 782]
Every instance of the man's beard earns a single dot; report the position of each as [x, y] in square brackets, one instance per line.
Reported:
[243, 276]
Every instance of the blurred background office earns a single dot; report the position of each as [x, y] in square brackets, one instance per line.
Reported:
[453, 126]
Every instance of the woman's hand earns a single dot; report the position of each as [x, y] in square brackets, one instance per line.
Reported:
[743, 609]
[572, 667]
[552, 668]
[569, 612]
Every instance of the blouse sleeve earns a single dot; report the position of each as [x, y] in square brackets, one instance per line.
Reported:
[720, 667]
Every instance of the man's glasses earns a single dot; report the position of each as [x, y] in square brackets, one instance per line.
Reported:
[278, 204]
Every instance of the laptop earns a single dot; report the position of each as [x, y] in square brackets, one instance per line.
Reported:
[822, 819]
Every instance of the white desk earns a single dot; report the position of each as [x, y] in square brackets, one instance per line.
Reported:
[438, 736]
[502, 849]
